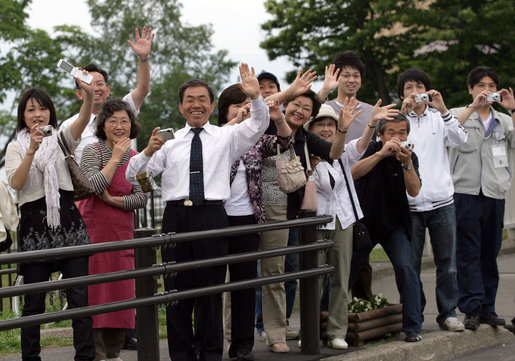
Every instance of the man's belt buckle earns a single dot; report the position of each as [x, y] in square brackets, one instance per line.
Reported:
[188, 203]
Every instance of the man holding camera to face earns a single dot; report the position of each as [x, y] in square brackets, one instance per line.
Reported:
[480, 170]
[386, 172]
[432, 125]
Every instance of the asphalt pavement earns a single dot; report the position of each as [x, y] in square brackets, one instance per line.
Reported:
[487, 342]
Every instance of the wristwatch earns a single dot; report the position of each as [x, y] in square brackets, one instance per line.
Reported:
[407, 167]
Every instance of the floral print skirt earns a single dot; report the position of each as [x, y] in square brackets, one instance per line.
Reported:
[35, 234]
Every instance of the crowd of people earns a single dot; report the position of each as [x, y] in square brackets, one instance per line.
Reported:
[399, 171]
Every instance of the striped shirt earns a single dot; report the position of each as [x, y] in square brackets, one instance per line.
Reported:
[94, 158]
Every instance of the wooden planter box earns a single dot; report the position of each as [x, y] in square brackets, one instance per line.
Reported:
[368, 325]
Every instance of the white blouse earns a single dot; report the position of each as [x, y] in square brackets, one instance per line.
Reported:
[336, 201]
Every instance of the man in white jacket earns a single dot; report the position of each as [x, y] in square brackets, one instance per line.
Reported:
[432, 125]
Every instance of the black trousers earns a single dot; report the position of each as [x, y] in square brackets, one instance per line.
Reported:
[76, 297]
[243, 302]
[206, 344]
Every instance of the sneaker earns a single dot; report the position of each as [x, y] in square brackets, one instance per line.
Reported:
[492, 319]
[262, 337]
[452, 324]
[412, 337]
[338, 343]
[291, 334]
[114, 359]
[471, 321]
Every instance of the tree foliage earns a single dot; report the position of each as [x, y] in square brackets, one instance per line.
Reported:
[28, 58]
[445, 38]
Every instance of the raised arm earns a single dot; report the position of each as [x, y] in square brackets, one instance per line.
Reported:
[300, 85]
[379, 112]
[142, 50]
[479, 101]
[78, 126]
[347, 115]
[411, 178]
[331, 79]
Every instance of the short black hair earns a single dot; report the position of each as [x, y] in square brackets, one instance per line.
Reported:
[231, 95]
[108, 109]
[349, 58]
[317, 102]
[194, 83]
[95, 68]
[479, 72]
[42, 97]
[381, 125]
[412, 74]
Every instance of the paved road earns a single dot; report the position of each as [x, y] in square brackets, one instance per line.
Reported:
[505, 308]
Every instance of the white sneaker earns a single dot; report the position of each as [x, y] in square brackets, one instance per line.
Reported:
[262, 337]
[291, 334]
[338, 343]
[452, 324]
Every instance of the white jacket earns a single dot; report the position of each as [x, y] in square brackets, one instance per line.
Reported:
[336, 202]
[429, 134]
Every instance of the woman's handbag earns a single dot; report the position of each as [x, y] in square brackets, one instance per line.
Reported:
[310, 200]
[290, 174]
[360, 237]
[82, 187]
[8, 217]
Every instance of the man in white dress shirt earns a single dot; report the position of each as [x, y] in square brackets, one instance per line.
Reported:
[185, 211]
[102, 89]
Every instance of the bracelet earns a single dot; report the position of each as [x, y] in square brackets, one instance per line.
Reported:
[341, 131]
[281, 122]
[143, 59]
[372, 127]
[34, 152]
[511, 111]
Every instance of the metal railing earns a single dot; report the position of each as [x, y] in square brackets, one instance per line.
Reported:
[146, 272]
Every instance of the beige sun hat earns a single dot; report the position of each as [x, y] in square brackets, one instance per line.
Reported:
[325, 111]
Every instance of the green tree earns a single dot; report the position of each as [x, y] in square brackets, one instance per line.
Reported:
[179, 52]
[444, 38]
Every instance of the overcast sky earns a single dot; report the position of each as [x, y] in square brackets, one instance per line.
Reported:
[236, 26]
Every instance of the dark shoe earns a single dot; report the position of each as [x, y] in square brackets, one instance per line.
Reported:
[245, 356]
[492, 319]
[131, 344]
[412, 337]
[471, 321]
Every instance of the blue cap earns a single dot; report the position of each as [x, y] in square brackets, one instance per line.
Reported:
[266, 75]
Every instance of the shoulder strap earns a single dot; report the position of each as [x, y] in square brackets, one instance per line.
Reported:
[306, 153]
[63, 145]
[349, 190]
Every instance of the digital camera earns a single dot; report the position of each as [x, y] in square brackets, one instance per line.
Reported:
[47, 130]
[423, 98]
[407, 144]
[493, 97]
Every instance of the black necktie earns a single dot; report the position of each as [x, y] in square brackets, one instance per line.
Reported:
[196, 169]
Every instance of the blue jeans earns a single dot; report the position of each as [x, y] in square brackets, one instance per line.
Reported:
[479, 222]
[441, 223]
[291, 264]
[397, 247]
[259, 304]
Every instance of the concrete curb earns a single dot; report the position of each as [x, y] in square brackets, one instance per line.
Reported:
[438, 345]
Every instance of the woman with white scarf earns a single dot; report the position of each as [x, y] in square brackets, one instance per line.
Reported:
[36, 168]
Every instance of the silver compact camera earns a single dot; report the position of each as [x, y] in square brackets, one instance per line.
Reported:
[407, 144]
[423, 98]
[46, 130]
[494, 97]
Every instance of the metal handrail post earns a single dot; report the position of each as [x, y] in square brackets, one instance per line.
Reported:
[309, 293]
[147, 324]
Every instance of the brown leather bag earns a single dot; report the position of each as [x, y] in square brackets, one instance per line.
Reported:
[82, 186]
